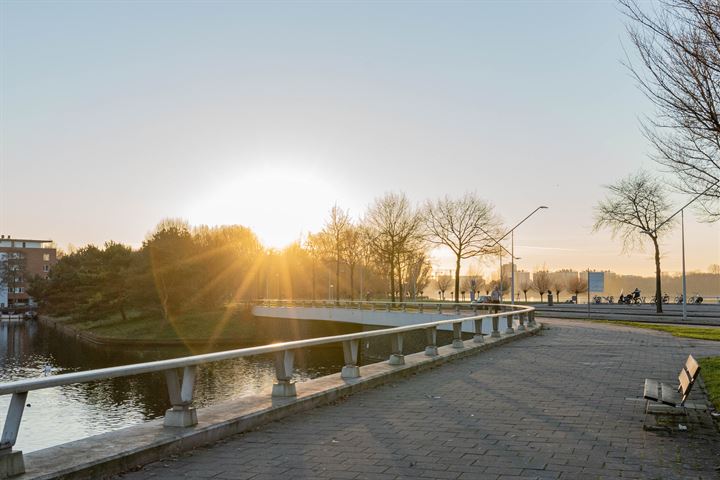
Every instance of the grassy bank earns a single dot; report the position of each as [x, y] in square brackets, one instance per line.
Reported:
[232, 325]
[676, 330]
[709, 367]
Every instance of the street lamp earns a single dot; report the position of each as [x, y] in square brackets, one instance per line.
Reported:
[511, 232]
[682, 230]
[512, 251]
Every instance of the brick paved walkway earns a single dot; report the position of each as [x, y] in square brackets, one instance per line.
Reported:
[557, 405]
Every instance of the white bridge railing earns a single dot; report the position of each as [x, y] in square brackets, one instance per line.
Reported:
[180, 372]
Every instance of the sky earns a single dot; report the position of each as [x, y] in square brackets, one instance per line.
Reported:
[114, 115]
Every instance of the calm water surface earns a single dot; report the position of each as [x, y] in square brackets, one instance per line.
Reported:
[62, 414]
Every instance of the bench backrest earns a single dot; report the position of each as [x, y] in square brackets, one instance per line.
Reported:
[687, 377]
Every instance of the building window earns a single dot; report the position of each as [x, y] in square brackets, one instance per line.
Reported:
[23, 244]
[46, 257]
[46, 268]
[20, 290]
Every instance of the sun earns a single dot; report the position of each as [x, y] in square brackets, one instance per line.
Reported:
[279, 204]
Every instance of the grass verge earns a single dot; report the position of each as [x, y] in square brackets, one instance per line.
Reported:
[228, 325]
[710, 371]
[676, 330]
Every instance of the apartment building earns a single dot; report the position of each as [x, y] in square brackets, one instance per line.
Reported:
[21, 259]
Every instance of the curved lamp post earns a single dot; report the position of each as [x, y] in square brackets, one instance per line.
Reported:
[682, 228]
[512, 251]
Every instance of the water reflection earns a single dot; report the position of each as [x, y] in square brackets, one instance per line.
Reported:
[58, 415]
[62, 414]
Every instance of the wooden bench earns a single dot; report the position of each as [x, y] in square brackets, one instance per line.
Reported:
[670, 394]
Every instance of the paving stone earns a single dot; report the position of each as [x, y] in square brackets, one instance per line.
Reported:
[564, 404]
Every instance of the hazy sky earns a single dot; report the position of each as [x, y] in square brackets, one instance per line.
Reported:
[117, 114]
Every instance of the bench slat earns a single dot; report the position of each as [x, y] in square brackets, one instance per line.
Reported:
[693, 368]
[652, 389]
[685, 383]
[669, 395]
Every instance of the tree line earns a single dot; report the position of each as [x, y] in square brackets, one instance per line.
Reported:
[179, 268]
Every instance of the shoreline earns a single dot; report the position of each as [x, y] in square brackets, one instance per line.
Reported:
[99, 340]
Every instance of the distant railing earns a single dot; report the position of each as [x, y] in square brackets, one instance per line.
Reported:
[374, 305]
[180, 372]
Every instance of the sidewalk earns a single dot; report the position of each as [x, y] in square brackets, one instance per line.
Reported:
[562, 404]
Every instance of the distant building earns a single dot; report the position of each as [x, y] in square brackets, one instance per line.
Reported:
[520, 275]
[21, 259]
[564, 276]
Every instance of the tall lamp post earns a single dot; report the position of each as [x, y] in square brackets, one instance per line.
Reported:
[511, 232]
[682, 236]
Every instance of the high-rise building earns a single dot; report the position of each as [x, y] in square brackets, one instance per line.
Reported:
[21, 259]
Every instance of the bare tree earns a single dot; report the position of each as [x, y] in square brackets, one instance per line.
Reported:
[679, 71]
[577, 285]
[558, 286]
[636, 209]
[525, 286]
[443, 283]
[417, 272]
[354, 251]
[332, 240]
[314, 249]
[395, 229]
[541, 282]
[462, 225]
[714, 269]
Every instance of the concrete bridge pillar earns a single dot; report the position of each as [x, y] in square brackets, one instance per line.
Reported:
[350, 352]
[396, 345]
[531, 318]
[283, 372]
[431, 349]
[478, 338]
[509, 319]
[11, 461]
[457, 335]
[182, 414]
[521, 319]
[496, 330]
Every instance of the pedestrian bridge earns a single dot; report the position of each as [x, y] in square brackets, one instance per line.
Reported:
[387, 314]
[185, 427]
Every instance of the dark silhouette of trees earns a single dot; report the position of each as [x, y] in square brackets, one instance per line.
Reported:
[636, 209]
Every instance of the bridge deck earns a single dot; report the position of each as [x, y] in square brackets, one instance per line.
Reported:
[563, 404]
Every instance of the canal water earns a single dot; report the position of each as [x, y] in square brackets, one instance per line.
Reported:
[57, 415]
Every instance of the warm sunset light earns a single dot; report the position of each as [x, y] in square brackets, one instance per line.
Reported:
[415, 239]
[278, 202]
